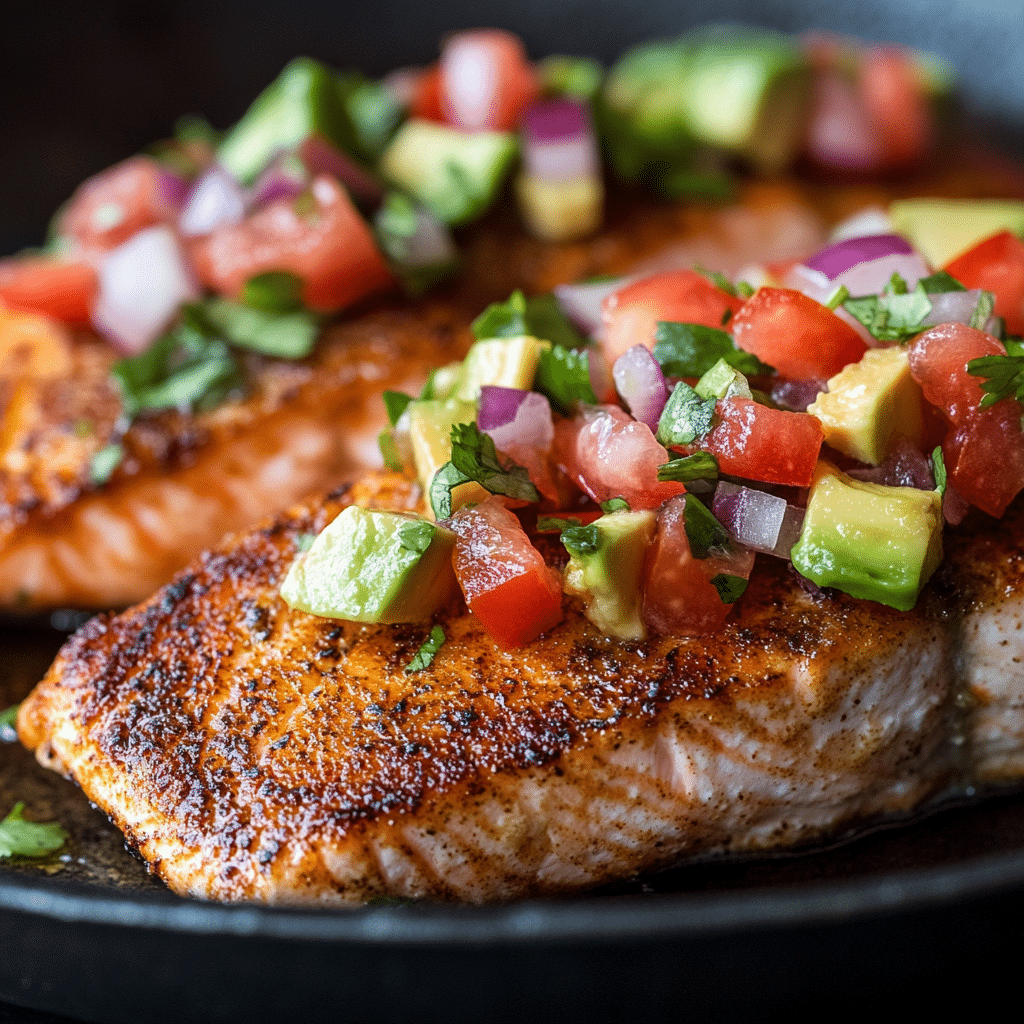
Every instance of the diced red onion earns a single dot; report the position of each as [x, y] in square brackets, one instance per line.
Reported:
[955, 308]
[215, 201]
[872, 220]
[558, 141]
[283, 178]
[174, 189]
[320, 157]
[641, 383]
[841, 256]
[515, 420]
[142, 283]
[905, 466]
[796, 394]
[954, 505]
[757, 519]
[581, 303]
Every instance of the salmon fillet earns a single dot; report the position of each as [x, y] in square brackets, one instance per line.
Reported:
[249, 751]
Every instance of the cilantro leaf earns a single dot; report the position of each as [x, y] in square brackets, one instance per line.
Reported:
[891, 316]
[703, 530]
[395, 403]
[416, 535]
[1003, 377]
[445, 480]
[555, 524]
[730, 588]
[285, 335]
[690, 350]
[686, 416]
[983, 310]
[502, 319]
[720, 281]
[563, 377]
[698, 466]
[939, 470]
[425, 655]
[540, 317]
[104, 462]
[580, 540]
[474, 455]
[939, 282]
[276, 291]
[7, 719]
[22, 838]
[389, 451]
[615, 505]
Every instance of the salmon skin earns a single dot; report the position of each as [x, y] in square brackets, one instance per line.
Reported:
[250, 751]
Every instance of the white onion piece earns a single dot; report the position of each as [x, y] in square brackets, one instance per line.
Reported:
[753, 517]
[530, 429]
[215, 201]
[558, 141]
[581, 303]
[641, 383]
[956, 308]
[469, 79]
[872, 220]
[142, 283]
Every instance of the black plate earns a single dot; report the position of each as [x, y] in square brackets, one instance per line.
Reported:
[893, 920]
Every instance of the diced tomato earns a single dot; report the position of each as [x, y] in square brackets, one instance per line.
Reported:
[997, 265]
[801, 338]
[487, 80]
[938, 362]
[112, 206]
[630, 316]
[329, 247]
[610, 455]
[426, 96]
[62, 289]
[679, 598]
[504, 578]
[984, 456]
[890, 88]
[759, 443]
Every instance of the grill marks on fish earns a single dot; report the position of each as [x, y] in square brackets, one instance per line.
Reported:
[251, 751]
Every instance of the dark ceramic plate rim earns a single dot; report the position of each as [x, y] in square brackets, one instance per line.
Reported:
[579, 919]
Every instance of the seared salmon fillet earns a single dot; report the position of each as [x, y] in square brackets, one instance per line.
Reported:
[249, 751]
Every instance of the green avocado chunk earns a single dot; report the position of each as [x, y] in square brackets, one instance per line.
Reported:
[608, 577]
[868, 540]
[303, 100]
[371, 566]
[941, 229]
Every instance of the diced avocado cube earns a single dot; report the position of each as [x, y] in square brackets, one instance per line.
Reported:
[558, 211]
[504, 362]
[430, 434]
[608, 579]
[941, 229]
[868, 540]
[303, 100]
[868, 403]
[723, 381]
[748, 91]
[371, 566]
[455, 174]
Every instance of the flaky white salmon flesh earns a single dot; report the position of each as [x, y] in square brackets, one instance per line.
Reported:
[250, 751]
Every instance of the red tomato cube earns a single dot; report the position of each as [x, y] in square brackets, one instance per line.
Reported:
[997, 266]
[64, 290]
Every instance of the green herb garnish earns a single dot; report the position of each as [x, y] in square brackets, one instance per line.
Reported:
[416, 535]
[983, 310]
[276, 291]
[690, 350]
[896, 314]
[1003, 376]
[698, 466]
[563, 377]
[703, 530]
[425, 655]
[284, 335]
[555, 524]
[730, 588]
[7, 719]
[539, 317]
[939, 470]
[615, 505]
[940, 282]
[395, 402]
[686, 416]
[580, 540]
[104, 462]
[389, 451]
[22, 838]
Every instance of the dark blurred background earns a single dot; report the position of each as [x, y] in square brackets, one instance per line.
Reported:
[84, 83]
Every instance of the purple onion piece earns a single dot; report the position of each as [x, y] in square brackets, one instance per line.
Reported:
[499, 406]
[796, 395]
[216, 200]
[283, 178]
[954, 505]
[517, 421]
[838, 257]
[581, 303]
[754, 518]
[174, 189]
[905, 466]
[641, 383]
[320, 157]
[558, 141]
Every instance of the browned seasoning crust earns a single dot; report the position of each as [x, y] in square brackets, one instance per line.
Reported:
[250, 751]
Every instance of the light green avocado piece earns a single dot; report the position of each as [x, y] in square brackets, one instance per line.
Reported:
[941, 229]
[455, 174]
[371, 566]
[868, 403]
[303, 100]
[748, 91]
[505, 362]
[868, 540]
[608, 579]
[723, 381]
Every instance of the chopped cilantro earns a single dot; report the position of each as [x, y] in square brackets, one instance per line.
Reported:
[891, 316]
[7, 719]
[285, 335]
[720, 281]
[983, 310]
[104, 462]
[389, 451]
[563, 377]
[703, 530]
[939, 470]
[580, 540]
[686, 416]
[395, 403]
[304, 541]
[397, 217]
[555, 524]
[745, 289]
[22, 838]
[276, 291]
[698, 466]
[730, 588]
[1003, 375]
[690, 184]
[416, 535]
[615, 505]
[540, 317]
[425, 655]
[897, 285]
[690, 350]
[502, 319]
[939, 282]
[374, 114]
[474, 457]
